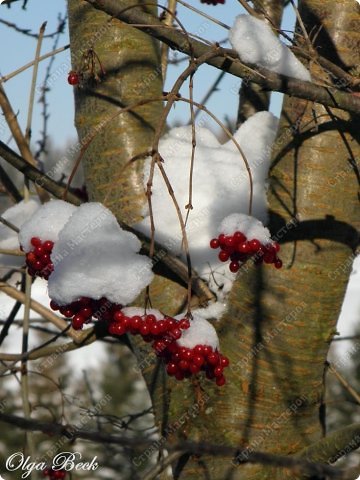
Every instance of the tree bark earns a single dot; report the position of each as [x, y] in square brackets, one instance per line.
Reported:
[278, 324]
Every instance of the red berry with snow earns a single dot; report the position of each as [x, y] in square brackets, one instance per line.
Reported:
[239, 249]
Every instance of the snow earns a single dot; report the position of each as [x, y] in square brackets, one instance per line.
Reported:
[46, 222]
[93, 257]
[201, 332]
[220, 187]
[17, 215]
[251, 227]
[256, 44]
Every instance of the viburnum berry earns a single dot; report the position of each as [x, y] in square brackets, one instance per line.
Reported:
[54, 474]
[38, 259]
[239, 249]
[73, 78]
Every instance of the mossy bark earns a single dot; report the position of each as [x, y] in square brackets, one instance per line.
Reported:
[131, 60]
[279, 324]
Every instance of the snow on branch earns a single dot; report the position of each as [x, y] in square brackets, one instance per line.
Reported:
[227, 59]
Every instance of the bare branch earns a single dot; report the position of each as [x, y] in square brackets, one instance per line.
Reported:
[228, 59]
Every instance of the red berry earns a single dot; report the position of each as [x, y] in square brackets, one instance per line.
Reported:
[73, 78]
[48, 246]
[184, 365]
[234, 267]
[214, 243]
[224, 361]
[54, 305]
[116, 329]
[176, 333]
[276, 246]
[243, 247]
[170, 323]
[213, 358]
[31, 258]
[239, 237]
[154, 329]
[198, 349]
[118, 316]
[144, 329]
[223, 256]
[162, 326]
[86, 312]
[67, 312]
[78, 322]
[136, 322]
[206, 350]
[171, 368]
[218, 371]
[229, 242]
[254, 245]
[37, 265]
[35, 241]
[46, 259]
[198, 360]
[159, 347]
[220, 381]
[278, 263]
[150, 319]
[221, 239]
[194, 368]
[39, 251]
[186, 354]
[184, 324]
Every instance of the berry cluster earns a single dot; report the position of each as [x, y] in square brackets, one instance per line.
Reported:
[81, 311]
[54, 474]
[149, 327]
[38, 259]
[213, 2]
[183, 362]
[238, 249]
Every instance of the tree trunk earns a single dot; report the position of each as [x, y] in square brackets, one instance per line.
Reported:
[278, 324]
[131, 60]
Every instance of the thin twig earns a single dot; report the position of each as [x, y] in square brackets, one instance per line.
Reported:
[7, 77]
[19, 138]
[161, 465]
[40, 309]
[203, 14]
[24, 382]
[5, 222]
[344, 383]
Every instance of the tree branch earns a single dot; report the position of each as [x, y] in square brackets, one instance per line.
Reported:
[334, 446]
[72, 432]
[228, 59]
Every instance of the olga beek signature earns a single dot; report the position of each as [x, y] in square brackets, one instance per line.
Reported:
[62, 461]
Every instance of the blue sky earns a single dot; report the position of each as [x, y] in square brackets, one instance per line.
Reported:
[20, 49]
